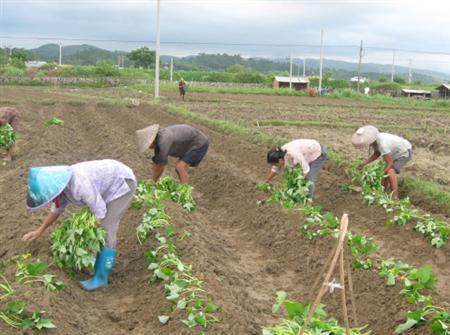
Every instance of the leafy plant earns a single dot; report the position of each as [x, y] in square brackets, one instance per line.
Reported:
[168, 188]
[153, 218]
[16, 316]
[403, 212]
[35, 272]
[361, 245]
[54, 121]
[77, 240]
[439, 320]
[293, 189]
[434, 228]
[296, 315]
[7, 136]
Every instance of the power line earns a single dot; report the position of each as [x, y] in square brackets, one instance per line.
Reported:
[244, 44]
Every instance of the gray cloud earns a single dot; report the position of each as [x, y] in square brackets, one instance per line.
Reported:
[392, 24]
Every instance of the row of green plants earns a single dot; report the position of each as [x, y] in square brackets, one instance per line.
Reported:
[16, 312]
[182, 288]
[368, 182]
[414, 280]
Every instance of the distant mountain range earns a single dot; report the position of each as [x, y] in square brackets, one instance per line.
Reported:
[89, 55]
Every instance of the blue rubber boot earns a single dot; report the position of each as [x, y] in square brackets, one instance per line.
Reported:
[106, 259]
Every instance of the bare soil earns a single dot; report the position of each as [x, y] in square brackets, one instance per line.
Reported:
[244, 254]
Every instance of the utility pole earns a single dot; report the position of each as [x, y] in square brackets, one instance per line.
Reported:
[290, 73]
[157, 52]
[393, 66]
[60, 53]
[171, 68]
[359, 65]
[321, 62]
[410, 73]
[298, 69]
[304, 67]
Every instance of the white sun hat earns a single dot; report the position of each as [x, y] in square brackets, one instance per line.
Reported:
[146, 136]
[365, 136]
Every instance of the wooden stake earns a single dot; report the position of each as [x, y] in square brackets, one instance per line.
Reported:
[342, 234]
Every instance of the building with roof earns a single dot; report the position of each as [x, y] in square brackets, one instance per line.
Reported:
[444, 91]
[298, 83]
[34, 63]
[418, 94]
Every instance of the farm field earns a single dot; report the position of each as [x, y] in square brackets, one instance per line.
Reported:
[242, 253]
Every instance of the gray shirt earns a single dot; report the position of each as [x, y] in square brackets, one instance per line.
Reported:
[392, 144]
[176, 141]
[94, 184]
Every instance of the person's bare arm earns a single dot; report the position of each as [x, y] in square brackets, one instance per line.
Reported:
[371, 159]
[32, 235]
[389, 162]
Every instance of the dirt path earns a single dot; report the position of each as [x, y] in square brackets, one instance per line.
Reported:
[244, 254]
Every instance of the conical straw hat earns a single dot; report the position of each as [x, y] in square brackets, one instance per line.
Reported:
[46, 183]
[146, 136]
[365, 136]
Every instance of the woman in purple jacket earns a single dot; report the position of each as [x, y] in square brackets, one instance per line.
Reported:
[105, 186]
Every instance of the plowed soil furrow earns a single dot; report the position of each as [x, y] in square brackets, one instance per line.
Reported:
[243, 253]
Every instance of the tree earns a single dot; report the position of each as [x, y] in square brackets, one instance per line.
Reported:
[399, 80]
[237, 68]
[105, 68]
[142, 57]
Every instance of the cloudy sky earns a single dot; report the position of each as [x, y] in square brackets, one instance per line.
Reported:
[249, 27]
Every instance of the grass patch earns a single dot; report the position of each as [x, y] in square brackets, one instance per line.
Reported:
[229, 127]
[432, 193]
[8, 102]
[340, 125]
[76, 103]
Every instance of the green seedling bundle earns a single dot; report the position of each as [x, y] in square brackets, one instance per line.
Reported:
[7, 136]
[293, 189]
[76, 241]
[54, 121]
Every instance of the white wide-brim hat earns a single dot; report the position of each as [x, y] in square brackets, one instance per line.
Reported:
[146, 136]
[365, 136]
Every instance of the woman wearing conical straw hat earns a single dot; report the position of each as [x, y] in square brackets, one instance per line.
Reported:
[182, 141]
[395, 150]
[105, 186]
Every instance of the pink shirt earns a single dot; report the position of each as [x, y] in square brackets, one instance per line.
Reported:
[302, 151]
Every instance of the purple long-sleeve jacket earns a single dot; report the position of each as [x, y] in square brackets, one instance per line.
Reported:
[94, 184]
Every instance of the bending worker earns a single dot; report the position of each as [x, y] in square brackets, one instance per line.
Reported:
[180, 141]
[310, 154]
[9, 115]
[105, 186]
[395, 150]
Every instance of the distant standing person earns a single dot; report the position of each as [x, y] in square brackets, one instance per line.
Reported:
[184, 142]
[395, 150]
[182, 88]
[9, 115]
[367, 91]
[310, 154]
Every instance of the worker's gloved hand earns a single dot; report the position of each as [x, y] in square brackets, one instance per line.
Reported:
[32, 235]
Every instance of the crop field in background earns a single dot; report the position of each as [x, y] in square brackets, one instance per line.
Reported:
[242, 253]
